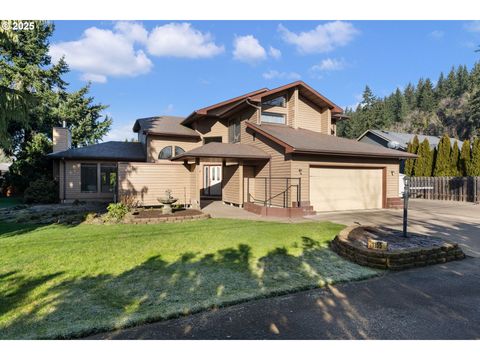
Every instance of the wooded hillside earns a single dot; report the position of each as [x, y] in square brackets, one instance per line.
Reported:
[450, 106]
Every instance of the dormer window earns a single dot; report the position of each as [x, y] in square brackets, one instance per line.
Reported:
[279, 101]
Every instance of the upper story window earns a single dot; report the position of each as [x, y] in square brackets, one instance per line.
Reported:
[280, 101]
[234, 131]
[167, 152]
[273, 118]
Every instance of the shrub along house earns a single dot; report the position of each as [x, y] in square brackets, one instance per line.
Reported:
[274, 152]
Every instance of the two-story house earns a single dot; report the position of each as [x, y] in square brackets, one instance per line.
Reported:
[274, 152]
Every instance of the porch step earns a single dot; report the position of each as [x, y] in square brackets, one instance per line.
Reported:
[309, 212]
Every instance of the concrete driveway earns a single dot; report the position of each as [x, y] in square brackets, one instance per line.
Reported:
[455, 221]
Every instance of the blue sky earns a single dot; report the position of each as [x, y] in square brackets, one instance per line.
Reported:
[146, 68]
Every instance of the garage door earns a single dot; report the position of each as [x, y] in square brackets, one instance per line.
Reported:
[334, 189]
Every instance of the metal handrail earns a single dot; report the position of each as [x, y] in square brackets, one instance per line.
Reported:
[268, 200]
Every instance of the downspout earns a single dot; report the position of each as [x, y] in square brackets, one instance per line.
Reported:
[64, 179]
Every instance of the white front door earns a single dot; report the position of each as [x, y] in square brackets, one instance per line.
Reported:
[212, 180]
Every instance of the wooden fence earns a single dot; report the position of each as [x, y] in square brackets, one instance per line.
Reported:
[446, 188]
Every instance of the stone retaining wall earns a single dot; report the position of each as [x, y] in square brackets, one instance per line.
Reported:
[170, 219]
[395, 259]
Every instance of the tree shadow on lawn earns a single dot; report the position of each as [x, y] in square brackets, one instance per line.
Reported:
[157, 290]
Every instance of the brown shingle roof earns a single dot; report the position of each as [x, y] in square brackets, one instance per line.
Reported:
[307, 141]
[224, 150]
[110, 150]
[164, 125]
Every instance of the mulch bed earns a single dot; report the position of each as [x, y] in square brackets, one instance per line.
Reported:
[157, 213]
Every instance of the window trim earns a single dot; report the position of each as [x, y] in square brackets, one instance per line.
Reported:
[273, 114]
[178, 147]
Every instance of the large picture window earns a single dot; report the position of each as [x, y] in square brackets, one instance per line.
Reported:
[88, 177]
[234, 131]
[108, 178]
[273, 118]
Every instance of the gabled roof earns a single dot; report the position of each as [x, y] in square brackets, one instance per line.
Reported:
[110, 150]
[402, 139]
[224, 107]
[164, 125]
[306, 90]
[224, 150]
[304, 141]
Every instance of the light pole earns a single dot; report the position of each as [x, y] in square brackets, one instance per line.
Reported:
[406, 194]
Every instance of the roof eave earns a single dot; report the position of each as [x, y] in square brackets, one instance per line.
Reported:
[356, 154]
[169, 134]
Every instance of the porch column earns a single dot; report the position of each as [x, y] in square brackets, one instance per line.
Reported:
[197, 181]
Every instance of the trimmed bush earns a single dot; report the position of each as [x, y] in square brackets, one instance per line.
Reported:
[117, 211]
[41, 191]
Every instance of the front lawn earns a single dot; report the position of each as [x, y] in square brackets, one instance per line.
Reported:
[58, 281]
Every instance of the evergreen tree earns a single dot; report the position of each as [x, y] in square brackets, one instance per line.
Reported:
[474, 82]
[451, 83]
[409, 95]
[426, 97]
[398, 106]
[423, 164]
[474, 112]
[454, 160]
[464, 164]
[442, 159]
[441, 88]
[462, 80]
[410, 163]
[475, 158]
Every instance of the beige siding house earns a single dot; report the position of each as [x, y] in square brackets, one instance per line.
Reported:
[273, 152]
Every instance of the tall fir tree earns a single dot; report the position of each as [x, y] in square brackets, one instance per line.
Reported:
[451, 83]
[426, 97]
[462, 80]
[474, 82]
[441, 88]
[473, 120]
[423, 164]
[409, 95]
[465, 159]
[397, 106]
[454, 160]
[475, 158]
[442, 159]
[410, 163]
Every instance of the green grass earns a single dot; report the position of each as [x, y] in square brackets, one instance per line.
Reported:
[6, 202]
[58, 281]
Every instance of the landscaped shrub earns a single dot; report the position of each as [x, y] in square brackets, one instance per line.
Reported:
[41, 191]
[117, 211]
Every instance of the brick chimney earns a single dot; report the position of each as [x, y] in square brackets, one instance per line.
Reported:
[62, 139]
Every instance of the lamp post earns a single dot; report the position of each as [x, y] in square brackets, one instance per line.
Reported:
[406, 194]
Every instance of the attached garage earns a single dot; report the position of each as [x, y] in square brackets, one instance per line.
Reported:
[346, 188]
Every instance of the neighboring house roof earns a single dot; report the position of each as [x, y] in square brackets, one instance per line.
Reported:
[164, 125]
[224, 150]
[307, 141]
[402, 139]
[223, 108]
[110, 150]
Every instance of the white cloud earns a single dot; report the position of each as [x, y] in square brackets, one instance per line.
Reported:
[132, 31]
[324, 38]
[101, 53]
[182, 40]
[473, 26]
[248, 49]
[274, 74]
[330, 64]
[436, 34]
[274, 53]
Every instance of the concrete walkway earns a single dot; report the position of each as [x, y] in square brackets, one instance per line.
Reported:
[452, 220]
[436, 302]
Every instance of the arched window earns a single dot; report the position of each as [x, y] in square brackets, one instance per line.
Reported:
[178, 150]
[166, 153]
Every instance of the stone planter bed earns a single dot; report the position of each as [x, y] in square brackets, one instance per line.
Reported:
[402, 253]
[155, 216]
